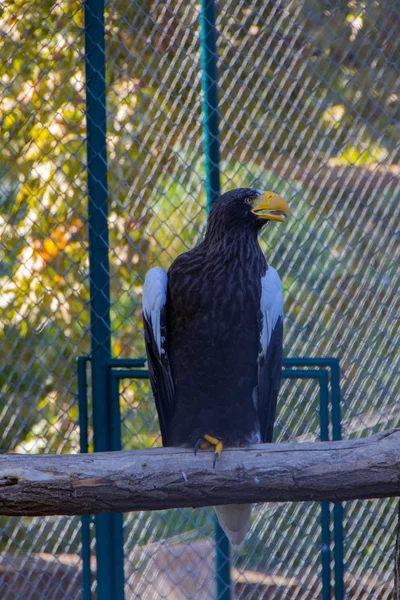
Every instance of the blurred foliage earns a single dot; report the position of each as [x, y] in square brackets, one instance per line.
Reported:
[43, 250]
[310, 82]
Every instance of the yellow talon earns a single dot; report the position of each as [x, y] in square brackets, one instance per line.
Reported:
[219, 446]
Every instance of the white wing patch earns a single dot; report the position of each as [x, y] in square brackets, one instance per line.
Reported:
[271, 305]
[154, 300]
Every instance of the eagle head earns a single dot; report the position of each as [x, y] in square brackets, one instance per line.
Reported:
[246, 206]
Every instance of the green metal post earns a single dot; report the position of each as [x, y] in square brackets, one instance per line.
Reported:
[126, 362]
[115, 416]
[109, 584]
[213, 187]
[222, 560]
[210, 99]
[131, 374]
[338, 512]
[84, 446]
[322, 377]
[325, 510]
[117, 518]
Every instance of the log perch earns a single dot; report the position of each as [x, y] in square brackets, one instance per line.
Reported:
[161, 478]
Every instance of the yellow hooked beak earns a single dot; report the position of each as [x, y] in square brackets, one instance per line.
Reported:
[271, 206]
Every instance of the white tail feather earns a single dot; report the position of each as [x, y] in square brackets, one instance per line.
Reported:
[235, 521]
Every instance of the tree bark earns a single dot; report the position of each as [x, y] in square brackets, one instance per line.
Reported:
[173, 477]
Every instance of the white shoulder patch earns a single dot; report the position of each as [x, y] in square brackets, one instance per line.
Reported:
[271, 304]
[154, 300]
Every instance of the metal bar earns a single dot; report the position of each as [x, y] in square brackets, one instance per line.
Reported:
[86, 556]
[287, 362]
[325, 508]
[336, 411]
[338, 552]
[309, 374]
[83, 404]
[97, 217]
[117, 518]
[223, 565]
[84, 447]
[322, 377]
[213, 186]
[210, 99]
[126, 362]
[327, 361]
[323, 405]
[131, 374]
[115, 413]
[107, 537]
[338, 510]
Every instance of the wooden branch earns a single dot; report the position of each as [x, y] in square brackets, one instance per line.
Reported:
[173, 477]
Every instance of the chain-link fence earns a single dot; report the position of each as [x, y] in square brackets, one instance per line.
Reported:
[309, 106]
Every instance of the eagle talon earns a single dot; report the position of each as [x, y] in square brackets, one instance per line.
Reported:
[216, 457]
[217, 442]
[198, 444]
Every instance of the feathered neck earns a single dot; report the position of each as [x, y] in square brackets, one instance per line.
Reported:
[239, 242]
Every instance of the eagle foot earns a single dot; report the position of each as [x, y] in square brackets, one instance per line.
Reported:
[209, 440]
[206, 442]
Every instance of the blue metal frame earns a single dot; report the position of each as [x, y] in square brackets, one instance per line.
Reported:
[84, 445]
[322, 377]
[333, 365]
[222, 543]
[210, 103]
[108, 526]
[134, 369]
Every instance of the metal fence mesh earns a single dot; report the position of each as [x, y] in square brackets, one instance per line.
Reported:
[309, 106]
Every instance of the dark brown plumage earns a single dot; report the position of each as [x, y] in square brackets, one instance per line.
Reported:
[213, 325]
[213, 330]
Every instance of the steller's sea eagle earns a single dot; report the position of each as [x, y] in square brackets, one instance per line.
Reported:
[213, 331]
